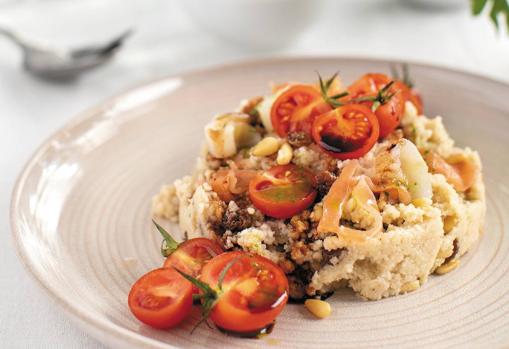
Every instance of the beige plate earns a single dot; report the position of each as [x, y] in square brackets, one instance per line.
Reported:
[81, 212]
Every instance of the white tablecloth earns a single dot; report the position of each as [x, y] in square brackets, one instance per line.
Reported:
[167, 42]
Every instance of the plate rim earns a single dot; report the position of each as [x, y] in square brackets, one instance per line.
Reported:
[100, 329]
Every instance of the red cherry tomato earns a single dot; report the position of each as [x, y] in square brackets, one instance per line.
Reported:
[389, 113]
[255, 291]
[412, 95]
[295, 109]
[191, 255]
[282, 191]
[161, 298]
[347, 132]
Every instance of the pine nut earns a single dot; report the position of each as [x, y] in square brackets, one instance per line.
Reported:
[449, 223]
[410, 286]
[284, 155]
[318, 308]
[448, 267]
[266, 147]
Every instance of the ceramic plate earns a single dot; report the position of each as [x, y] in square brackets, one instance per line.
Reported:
[81, 212]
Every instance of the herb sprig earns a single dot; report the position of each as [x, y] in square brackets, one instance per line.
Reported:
[382, 97]
[333, 100]
[209, 296]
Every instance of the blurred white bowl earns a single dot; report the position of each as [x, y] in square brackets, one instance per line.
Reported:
[437, 4]
[254, 23]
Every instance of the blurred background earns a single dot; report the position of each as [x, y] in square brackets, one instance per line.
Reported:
[172, 36]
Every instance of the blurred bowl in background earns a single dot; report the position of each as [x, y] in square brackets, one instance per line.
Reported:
[436, 4]
[254, 23]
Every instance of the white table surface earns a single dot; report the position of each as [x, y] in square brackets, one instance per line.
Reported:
[167, 42]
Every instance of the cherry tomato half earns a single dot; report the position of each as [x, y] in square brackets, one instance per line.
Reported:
[191, 255]
[389, 113]
[295, 109]
[347, 132]
[282, 191]
[255, 291]
[412, 95]
[161, 298]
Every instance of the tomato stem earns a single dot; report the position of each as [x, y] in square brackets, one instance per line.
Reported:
[168, 245]
[382, 97]
[324, 89]
[209, 295]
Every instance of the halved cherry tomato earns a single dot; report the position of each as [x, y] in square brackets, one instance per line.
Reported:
[347, 132]
[282, 191]
[295, 109]
[161, 298]
[412, 95]
[390, 112]
[191, 255]
[254, 291]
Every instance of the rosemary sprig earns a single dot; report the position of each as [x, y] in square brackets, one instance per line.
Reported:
[498, 7]
[333, 100]
[382, 97]
[168, 245]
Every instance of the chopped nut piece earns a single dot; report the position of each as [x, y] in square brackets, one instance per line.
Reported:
[316, 215]
[324, 181]
[410, 286]
[447, 267]
[237, 220]
[318, 308]
[449, 223]
[299, 139]
[421, 202]
[287, 266]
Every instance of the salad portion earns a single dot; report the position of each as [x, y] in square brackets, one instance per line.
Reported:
[321, 186]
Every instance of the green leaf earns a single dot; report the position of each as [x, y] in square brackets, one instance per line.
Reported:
[171, 244]
[494, 14]
[498, 7]
[477, 6]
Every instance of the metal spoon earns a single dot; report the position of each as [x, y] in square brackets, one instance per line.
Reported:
[54, 64]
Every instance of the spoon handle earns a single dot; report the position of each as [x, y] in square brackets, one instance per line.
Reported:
[13, 37]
